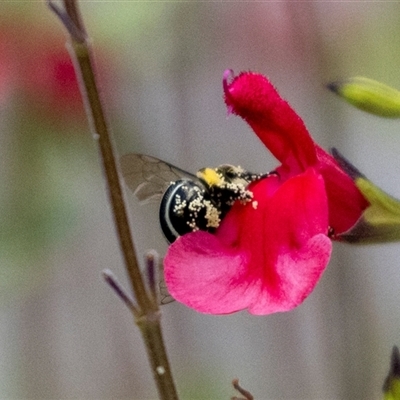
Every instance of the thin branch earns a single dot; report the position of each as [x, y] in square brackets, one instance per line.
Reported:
[80, 51]
[69, 24]
[151, 260]
[147, 315]
[110, 278]
[247, 395]
[73, 12]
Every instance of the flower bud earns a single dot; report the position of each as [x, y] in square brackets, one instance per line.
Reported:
[391, 387]
[369, 95]
[380, 221]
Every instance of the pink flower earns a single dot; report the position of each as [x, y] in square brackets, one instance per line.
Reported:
[267, 255]
[40, 73]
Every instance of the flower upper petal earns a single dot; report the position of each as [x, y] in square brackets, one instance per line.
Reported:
[268, 264]
[345, 201]
[252, 97]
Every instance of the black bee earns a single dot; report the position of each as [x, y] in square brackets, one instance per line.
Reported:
[187, 202]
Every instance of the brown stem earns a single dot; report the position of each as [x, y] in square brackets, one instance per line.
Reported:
[148, 315]
[150, 327]
[100, 129]
[247, 395]
[73, 13]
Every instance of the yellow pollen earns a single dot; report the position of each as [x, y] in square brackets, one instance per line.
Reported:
[209, 176]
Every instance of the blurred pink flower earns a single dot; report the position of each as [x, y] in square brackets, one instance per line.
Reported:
[49, 81]
[39, 72]
[6, 72]
[267, 255]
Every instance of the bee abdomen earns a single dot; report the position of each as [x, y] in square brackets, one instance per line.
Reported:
[187, 207]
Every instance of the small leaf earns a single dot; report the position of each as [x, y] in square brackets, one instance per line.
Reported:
[369, 95]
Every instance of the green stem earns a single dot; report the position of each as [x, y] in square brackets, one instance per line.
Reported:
[148, 316]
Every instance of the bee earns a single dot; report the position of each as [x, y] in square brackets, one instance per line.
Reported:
[187, 202]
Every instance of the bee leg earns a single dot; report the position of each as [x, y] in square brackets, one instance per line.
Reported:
[331, 232]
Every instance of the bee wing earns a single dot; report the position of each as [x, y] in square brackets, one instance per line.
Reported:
[149, 177]
[165, 297]
[161, 290]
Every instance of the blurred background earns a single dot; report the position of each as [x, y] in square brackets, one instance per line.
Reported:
[63, 332]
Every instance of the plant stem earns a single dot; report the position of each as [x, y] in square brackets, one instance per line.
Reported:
[94, 106]
[148, 318]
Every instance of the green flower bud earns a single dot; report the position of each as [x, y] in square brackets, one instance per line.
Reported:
[369, 95]
[391, 387]
[380, 221]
